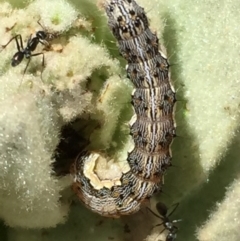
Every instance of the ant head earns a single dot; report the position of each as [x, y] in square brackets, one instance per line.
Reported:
[41, 35]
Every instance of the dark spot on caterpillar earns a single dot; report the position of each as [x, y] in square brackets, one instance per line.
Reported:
[119, 19]
[137, 23]
[132, 12]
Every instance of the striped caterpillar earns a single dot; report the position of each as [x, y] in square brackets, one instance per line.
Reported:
[152, 127]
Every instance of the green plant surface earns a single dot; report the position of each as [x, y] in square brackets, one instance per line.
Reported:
[84, 78]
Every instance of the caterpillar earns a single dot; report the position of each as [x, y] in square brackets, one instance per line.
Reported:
[152, 127]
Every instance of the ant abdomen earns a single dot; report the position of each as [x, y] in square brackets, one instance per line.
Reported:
[17, 59]
[161, 208]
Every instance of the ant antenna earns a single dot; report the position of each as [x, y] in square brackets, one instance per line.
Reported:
[166, 222]
[48, 35]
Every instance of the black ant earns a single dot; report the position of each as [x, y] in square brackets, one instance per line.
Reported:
[40, 37]
[168, 224]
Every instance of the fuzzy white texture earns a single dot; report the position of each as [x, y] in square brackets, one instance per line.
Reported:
[91, 227]
[113, 97]
[157, 22]
[29, 195]
[157, 236]
[206, 49]
[203, 40]
[59, 15]
[224, 221]
[208, 52]
[28, 139]
[204, 36]
[33, 110]
[77, 61]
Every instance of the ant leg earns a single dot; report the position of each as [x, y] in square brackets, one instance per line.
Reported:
[10, 28]
[160, 224]
[43, 62]
[17, 43]
[154, 213]
[40, 23]
[24, 72]
[19, 55]
[157, 225]
[15, 37]
[175, 207]
[49, 36]
[26, 66]
[44, 42]
[29, 62]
